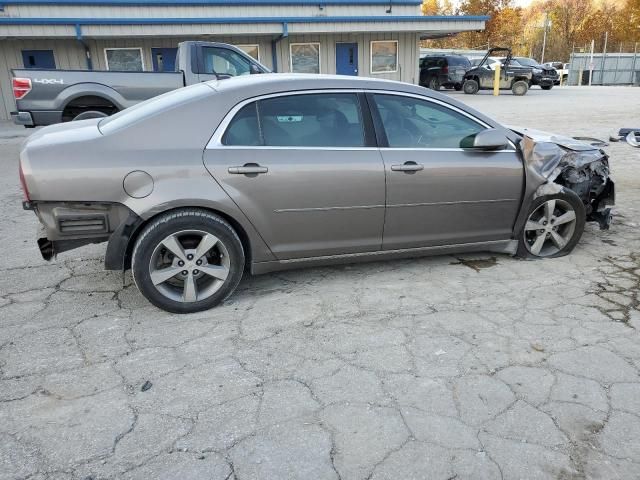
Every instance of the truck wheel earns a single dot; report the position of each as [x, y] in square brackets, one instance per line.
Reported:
[89, 114]
[434, 84]
[458, 87]
[470, 87]
[187, 261]
[554, 226]
[546, 87]
[519, 88]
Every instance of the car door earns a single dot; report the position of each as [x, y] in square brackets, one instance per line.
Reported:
[437, 192]
[305, 171]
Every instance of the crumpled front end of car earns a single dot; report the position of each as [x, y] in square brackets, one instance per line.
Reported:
[560, 162]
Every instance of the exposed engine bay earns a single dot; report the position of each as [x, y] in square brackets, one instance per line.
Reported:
[563, 162]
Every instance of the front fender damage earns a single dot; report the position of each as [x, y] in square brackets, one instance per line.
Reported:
[558, 163]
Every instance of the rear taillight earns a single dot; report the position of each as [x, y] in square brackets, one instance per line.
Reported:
[23, 184]
[21, 86]
[445, 69]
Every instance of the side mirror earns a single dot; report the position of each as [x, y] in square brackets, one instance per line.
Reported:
[489, 139]
[253, 69]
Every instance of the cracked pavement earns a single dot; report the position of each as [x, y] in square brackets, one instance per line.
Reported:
[470, 367]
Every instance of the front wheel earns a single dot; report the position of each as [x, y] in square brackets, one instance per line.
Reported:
[554, 226]
[470, 87]
[519, 88]
[457, 87]
[187, 261]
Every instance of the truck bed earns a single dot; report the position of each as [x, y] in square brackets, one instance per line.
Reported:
[51, 90]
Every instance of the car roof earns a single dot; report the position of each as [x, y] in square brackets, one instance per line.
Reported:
[265, 83]
[249, 86]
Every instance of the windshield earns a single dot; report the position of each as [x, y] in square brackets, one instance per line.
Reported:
[458, 61]
[527, 62]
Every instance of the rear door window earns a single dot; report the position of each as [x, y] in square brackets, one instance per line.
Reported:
[243, 130]
[313, 120]
[306, 120]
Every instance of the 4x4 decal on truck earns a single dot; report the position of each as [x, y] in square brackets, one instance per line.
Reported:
[49, 81]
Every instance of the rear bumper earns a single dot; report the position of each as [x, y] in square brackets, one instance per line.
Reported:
[36, 118]
[22, 118]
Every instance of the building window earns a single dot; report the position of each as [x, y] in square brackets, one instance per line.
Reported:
[251, 50]
[305, 57]
[124, 59]
[384, 56]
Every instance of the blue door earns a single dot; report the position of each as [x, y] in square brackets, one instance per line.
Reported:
[164, 59]
[347, 58]
[38, 59]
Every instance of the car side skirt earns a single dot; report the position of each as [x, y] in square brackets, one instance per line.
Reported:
[497, 246]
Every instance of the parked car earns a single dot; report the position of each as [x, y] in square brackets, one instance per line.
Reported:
[546, 77]
[44, 97]
[443, 71]
[275, 171]
[562, 69]
[513, 76]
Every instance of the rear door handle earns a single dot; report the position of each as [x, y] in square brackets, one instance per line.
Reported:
[248, 169]
[407, 167]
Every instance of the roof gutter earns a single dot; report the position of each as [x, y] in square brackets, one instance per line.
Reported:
[235, 20]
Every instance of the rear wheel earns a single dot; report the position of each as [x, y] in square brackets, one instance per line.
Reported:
[519, 88]
[470, 87]
[434, 83]
[546, 87]
[89, 114]
[187, 261]
[554, 226]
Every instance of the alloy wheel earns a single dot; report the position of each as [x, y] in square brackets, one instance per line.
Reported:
[189, 266]
[549, 228]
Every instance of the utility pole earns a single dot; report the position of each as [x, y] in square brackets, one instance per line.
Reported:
[544, 36]
[604, 57]
[591, 62]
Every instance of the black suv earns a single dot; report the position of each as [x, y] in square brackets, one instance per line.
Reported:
[542, 75]
[443, 71]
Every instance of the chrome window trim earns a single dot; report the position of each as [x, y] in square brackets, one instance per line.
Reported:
[216, 139]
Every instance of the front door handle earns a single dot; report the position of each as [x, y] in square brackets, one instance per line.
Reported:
[248, 169]
[407, 167]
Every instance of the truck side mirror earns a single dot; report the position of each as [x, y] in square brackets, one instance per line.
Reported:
[253, 69]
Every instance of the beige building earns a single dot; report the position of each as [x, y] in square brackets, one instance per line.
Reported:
[352, 37]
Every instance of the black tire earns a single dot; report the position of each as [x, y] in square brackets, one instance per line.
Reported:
[176, 221]
[470, 87]
[434, 83]
[89, 114]
[546, 87]
[520, 88]
[457, 87]
[574, 201]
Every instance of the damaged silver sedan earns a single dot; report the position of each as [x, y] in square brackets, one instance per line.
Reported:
[276, 171]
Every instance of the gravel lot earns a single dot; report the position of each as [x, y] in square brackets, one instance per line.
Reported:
[466, 367]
